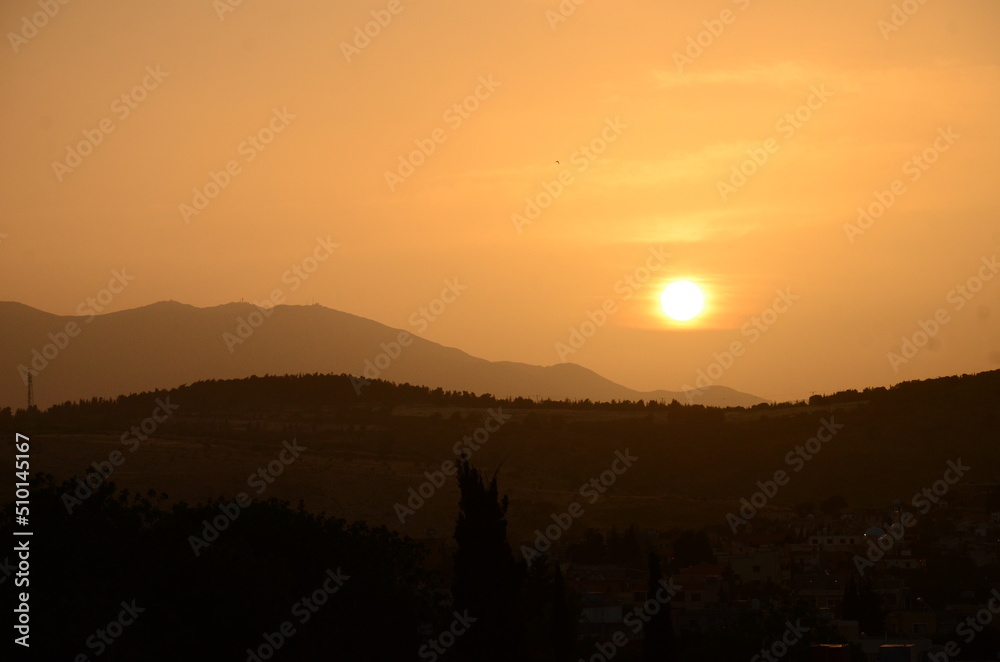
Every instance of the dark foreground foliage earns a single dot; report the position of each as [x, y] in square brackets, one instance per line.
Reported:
[118, 547]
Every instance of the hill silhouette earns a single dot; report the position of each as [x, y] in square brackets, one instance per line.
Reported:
[167, 344]
[367, 451]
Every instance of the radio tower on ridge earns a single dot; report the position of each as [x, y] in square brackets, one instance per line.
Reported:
[31, 392]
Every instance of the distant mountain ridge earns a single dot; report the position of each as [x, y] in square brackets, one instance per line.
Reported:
[167, 344]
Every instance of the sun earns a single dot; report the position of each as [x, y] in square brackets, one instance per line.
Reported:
[682, 300]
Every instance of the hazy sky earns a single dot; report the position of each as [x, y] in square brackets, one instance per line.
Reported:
[647, 106]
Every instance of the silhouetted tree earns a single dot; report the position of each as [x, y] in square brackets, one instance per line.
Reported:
[590, 550]
[849, 607]
[487, 578]
[623, 548]
[630, 550]
[658, 630]
[864, 605]
[254, 575]
[613, 543]
[563, 624]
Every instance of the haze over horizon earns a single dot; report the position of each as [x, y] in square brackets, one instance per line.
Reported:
[517, 331]
[617, 114]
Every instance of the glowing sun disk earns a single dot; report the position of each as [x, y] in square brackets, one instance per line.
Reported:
[682, 300]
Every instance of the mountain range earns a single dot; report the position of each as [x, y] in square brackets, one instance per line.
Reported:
[168, 344]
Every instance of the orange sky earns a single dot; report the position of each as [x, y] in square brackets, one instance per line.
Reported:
[622, 79]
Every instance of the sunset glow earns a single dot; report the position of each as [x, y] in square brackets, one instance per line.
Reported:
[682, 300]
[501, 331]
[837, 150]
